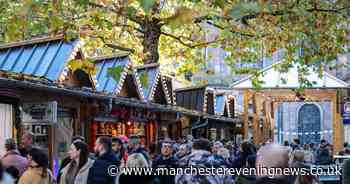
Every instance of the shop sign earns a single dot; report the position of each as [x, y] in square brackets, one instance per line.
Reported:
[346, 112]
[45, 112]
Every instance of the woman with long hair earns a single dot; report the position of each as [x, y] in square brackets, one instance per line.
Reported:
[38, 172]
[77, 171]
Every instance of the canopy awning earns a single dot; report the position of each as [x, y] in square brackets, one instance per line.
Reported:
[272, 78]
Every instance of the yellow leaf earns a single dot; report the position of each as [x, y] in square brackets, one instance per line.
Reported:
[183, 15]
[74, 65]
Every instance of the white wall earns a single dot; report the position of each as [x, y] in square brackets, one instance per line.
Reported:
[6, 122]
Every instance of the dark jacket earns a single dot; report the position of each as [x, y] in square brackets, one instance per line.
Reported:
[323, 156]
[64, 163]
[98, 173]
[159, 162]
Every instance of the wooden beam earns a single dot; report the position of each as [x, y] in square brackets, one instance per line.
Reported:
[245, 114]
[338, 129]
[256, 128]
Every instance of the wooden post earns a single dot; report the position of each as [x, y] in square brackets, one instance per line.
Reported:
[256, 128]
[245, 114]
[338, 129]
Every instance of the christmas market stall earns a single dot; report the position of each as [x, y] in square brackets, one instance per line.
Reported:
[203, 98]
[37, 92]
[225, 106]
[157, 88]
[117, 77]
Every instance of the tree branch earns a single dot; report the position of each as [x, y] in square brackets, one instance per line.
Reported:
[232, 31]
[134, 18]
[192, 46]
[114, 46]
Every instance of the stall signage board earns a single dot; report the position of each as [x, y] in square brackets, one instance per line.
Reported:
[346, 112]
[45, 112]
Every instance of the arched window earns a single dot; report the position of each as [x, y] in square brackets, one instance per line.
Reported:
[309, 124]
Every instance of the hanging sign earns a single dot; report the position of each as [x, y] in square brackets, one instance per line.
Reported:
[45, 112]
[346, 112]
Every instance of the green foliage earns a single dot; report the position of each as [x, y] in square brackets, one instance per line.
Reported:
[144, 79]
[147, 5]
[85, 65]
[115, 72]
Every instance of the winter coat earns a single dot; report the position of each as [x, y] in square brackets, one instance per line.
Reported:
[159, 162]
[82, 175]
[98, 173]
[7, 179]
[346, 172]
[13, 158]
[323, 156]
[200, 159]
[309, 156]
[217, 161]
[34, 176]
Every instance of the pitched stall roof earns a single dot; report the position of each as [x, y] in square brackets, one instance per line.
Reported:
[201, 98]
[115, 74]
[44, 58]
[273, 78]
[153, 84]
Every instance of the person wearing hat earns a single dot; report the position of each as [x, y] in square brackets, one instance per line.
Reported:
[166, 159]
[13, 157]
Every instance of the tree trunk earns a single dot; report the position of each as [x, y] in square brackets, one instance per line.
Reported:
[150, 43]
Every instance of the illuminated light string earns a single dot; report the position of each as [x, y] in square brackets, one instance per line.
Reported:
[305, 133]
[138, 82]
[166, 90]
[154, 87]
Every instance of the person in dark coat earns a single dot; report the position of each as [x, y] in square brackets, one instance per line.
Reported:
[323, 155]
[118, 149]
[246, 149]
[98, 173]
[346, 172]
[135, 147]
[165, 160]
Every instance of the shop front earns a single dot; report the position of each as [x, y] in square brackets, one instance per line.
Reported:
[125, 121]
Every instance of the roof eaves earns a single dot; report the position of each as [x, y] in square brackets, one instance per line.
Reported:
[30, 42]
[152, 65]
[115, 55]
[191, 88]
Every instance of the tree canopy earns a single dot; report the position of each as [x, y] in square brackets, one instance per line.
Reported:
[174, 31]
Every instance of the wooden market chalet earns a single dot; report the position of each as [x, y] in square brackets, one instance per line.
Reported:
[41, 94]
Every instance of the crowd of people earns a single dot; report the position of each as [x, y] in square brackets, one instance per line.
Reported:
[28, 164]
